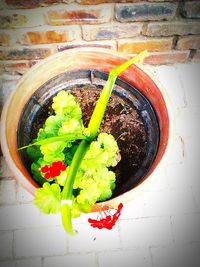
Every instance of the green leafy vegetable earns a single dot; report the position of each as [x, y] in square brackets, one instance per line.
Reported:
[47, 198]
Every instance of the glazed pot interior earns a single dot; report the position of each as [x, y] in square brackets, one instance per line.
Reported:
[38, 106]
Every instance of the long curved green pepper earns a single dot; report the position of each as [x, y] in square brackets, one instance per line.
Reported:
[93, 127]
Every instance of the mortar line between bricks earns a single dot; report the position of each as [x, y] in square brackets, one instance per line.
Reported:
[35, 228]
[175, 41]
[42, 261]
[183, 145]
[119, 233]
[97, 251]
[191, 55]
[115, 250]
[18, 258]
[144, 29]
[9, 178]
[112, 17]
[67, 244]
[15, 260]
[146, 217]
[16, 192]
[81, 35]
[151, 256]
[194, 199]
[183, 89]
[179, 8]
[96, 259]
[68, 254]
[13, 245]
[73, 253]
[17, 204]
[172, 230]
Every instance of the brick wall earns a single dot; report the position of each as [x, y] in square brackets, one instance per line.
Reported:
[34, 29]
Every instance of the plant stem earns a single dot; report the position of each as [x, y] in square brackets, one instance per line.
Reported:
[73, 168]
[102, 102]
[64, 137]
[93, 127]
[100, 107]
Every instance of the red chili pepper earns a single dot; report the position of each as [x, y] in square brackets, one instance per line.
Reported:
[107, 222]
[53, 170]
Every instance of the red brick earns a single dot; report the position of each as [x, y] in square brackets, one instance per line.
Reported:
[2, 70]
[95, 2]
[49, 36]
[80, 15]
[111, 31]
[189, 42]
[32, 3]
[173, 28]
[160, 0]
[12, 21]
[138, 45]
[4, 39]
[3, 5]
[16, 66]
[145, 11]
[196, 57]
[162, 58]
[25, 53]
[101, 44]
[191, 9]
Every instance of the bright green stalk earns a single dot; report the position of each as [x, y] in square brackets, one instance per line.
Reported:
[64, 137]
[93, 127]
[101, 105]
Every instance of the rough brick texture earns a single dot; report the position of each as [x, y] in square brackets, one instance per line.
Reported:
[138, 45]
[173, 28]
[79, 15]
[100, 44]
[191, 9]
[170, 57]
[49, 36]
[25, 53]
[33, 30]
[33, 3]
[4, 39]
[95, 2]
[20, 66]
[111, 31]
[189, 42]
[196, 57]
[12, 21]
[145, 11]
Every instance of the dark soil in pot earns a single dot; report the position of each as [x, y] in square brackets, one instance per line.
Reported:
[129, 117]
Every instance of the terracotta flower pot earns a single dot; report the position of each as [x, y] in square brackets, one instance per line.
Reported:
[74, 60]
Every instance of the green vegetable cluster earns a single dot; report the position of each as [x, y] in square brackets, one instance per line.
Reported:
[94, 181]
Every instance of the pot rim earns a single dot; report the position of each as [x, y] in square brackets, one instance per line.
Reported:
[129, 195]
